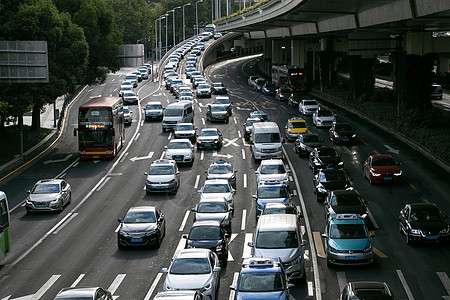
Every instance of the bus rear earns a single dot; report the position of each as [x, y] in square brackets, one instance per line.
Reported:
[5, 233]
[101, 130]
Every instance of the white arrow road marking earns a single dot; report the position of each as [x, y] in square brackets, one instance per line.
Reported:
[446, 282]
[150, 155]
[222, 155]
[231, 142]
[392, 150]
[58, 160]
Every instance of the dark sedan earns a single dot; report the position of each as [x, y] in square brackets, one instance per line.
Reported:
[282, 94]
[306, 142]
[423, 222]
[326, 158]
[141, 226]
[342, 133]
[218, 88]
[329, 180]
[209, 235]
[345, 202]
[269, 88]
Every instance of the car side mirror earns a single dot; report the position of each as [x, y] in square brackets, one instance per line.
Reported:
[145, 173]
[119, 220]
[324, 235]
[177, 173]
[217, 269]
[232, 287]
[165, 147]
[226, 235]
[184, 236]
[250, 244]
[291, 285]
[304, 243]
[164, 270]
[254, 196]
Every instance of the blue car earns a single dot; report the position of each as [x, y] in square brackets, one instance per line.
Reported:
[262, 278]
[268, 192]
[269, 88]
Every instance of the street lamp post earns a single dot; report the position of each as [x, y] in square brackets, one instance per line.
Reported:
[212, 11]
[156, 37]
[160, 42]
[196, 14]
[167, 14]
[173, 31]
[184, 25]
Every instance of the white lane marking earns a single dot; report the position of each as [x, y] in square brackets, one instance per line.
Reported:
[124, 157]
[62, 176]
[445, 281]
[247, 251]
[115, 284]
[306, 254]
[244, 219]
[162, 155]
[197, 180]
[294, 192]
[137, 136]
[233, 236]
[203, 121]
[230, 257]
[235, 279]
[45, 287]
[103, 184]
[372, 219]
[68, 167]
[405, 284]
[342, 280]
[153, 286]
[239, 134]
[65, 223]
[245, 143]
[202, 154]
[243, 154]
[290, 178]
[181, 245]
[170, 136]
[302, 228]
[77, 281]
[142, 123]
[76, 164]
[118, 226]
[186, 216]
[59, 223]
[245, 181]
[235, 120]
[310, 289]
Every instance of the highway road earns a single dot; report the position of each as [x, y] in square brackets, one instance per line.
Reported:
[79, 246]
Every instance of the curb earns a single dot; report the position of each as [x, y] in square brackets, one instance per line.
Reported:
[410, 142]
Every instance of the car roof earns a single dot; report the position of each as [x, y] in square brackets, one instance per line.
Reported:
[49, 181]
[423, 206]
[142, 208]
[179, 141]
[154, 102]
[346, 219]
[275, 161]
[210, 129]
[178, 294]
[381, 156]
[345, 192]
[212, 181]
[277, 222]
[296, 119]
[220, 162]
[163, 162]
[193, 253]
[206, 223]
[70, 292]
[278, 204]
[257, 264]
[213, 199]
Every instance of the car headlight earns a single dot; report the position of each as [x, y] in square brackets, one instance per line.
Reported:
[341, 163]
[122, 232]
[316, 162]
[279, 149]
[415, 231]
[54, 201]
[336, 134]
[216, 141]
[172, 181]
[169, 288]
[168, 155]
[322, 190]
[445, 231]
[354, 135]
[189, 154]
[152, 232]
[332, 250]
[399, 173]
[368, 249]
[372, 172]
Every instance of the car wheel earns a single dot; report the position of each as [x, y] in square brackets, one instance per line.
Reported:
[370, 179]
[400, 227]
[119, 245]
[163, 130]
[61, 206]
[408, 239]
[158, 242]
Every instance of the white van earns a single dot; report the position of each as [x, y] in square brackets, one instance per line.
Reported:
[278, 235]
[265, 141]
[180, 112]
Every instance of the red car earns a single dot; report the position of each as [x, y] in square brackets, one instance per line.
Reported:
[436, 91]
[382, 168]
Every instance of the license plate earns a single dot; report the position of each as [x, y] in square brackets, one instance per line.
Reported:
[351, 258]
[153, 117]
[136, 240]
[159, 187]
[431, 237]
[177, 159]
[41, 206]
[387, 178]
[345, 140]
[269, 156]
[95, 156]
[330, 168]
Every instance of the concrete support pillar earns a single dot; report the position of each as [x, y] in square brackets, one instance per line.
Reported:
[298, 48]
[361, 76]
[443, 65]
[276, 52]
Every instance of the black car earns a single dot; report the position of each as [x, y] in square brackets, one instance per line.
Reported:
[209, 235]
[345, 202]
[294, 99]
[218, 88]
[217, 113]
[209, 138]
[282, 94]
[325, 158]
[366, 290]
[141, 226]
[342, 133]
[328, 180]
[306, 142]
[423, 222]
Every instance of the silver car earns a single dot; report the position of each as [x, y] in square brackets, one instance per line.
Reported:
[130, 97]
[218, 188]
[272, 170]
[203, 90]
[48, 195]
[221, 169]
[194, 269]
[308, 106]
[127, 115]
[180, 150]
[186, 131]
[162, 176]
[154, 111]
[214, 209]
[323, 117]
[87, 293]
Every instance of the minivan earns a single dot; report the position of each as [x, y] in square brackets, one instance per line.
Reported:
[265, 141]
[180, 112]
[278, 235]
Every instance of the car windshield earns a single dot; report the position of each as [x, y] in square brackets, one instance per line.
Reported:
[220, 169]
[267, 192]
[348, 231]
[185, 127]
[140, 217]
[297, 125]
[264, 137]
[276, 239]
[383, 162]
[204, 233]
[327, 152]
[153, 107]
[222, 101]
[310, 103]
[45, 188]
[126, 88]
[345, 200]
[334, 176]
[218, 108]
[272, 169]
[216, 188]
[285, 209]
[125, 110]
[203, 86]
[178, 145]
[425, 214]
[208, 133]
[212, 207]
[311, 139]
[251, 122]
[343, 127]
[325, 113]
[185, 266]
[297, 96]
[270, 85]
[216, 85]
[261, 282]
[160, 170]
[173, 112]
[129, 95]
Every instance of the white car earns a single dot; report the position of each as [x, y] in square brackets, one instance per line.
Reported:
[193, 269]
[154, 110]
[308, 106]
[218, 188]
[203, 90]
[272, 170]
[127, 115]
[323, 117]
[180, 150]
[130, 97]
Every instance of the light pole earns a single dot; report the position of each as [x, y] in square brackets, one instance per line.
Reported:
[184, 25]
[160, 42]
[212, 11]
[196, 14]
[145, 52]
[156, 36]
[167, 14]
[173, 31]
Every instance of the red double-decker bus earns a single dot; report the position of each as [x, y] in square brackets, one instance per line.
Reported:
[101, 130]
[290, 76]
